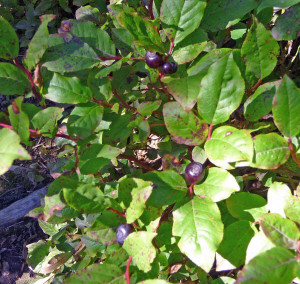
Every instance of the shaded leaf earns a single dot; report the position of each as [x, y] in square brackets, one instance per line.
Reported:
[9, 44]
[286, 105]
[246, 206]
[66, 53]
[13, 80]
[180, 18]
[259, 50]
[287, 25]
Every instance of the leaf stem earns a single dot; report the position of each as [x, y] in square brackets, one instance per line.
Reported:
[34, 91]
[127, 275]
[209, 131]
[171, 50]
[130, 158]
[151, 9]
[191, 189]
[119, 58]
[294, 155]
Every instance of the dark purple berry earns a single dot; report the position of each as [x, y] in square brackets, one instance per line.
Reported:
[169, 68]
[123, 231]
[153, 59]
[194, 172]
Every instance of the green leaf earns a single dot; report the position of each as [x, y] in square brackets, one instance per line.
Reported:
[287, 25]
[99, 151]
[280, 231]
[276, 265]
[67, 53]
[219, 15]
[38, 43]
[136, 192]
[37, 252]
[9, 44]
[97, 273]
[10, 149]
[258, 244]
[201, 66]
[139, 246]
[190, 47]
[154, 281]
[185, 90]
[69, 90]
[221, 92]
[276, 3]
[279, 195]
[46, 120]
[123, 40]
[13, 80]
[235, 242]
[146, 108]
[118, 131]
[236, 146]
[169, 187]
[84, 119]
[218, 185]
[199, 226]
[88, 13]
[100, 86]
[259, 51]
[271, 151]
[180, 18]
[185, 127]
[85, 198]
[19, 120]
[246, 206]
[260, 103]
[286, 105]
[292, 209]
[143, 31]
[89, 33]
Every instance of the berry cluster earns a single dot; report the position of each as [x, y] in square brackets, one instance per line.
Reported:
[155, 60]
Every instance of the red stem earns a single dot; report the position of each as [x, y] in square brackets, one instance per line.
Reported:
[102, 104]
[151, 9]
[130, 158]
[116, 211]
[156, 124]
[294, 155]
[256, 85]
[171, 50]
[34, 132]
[209, 131]
[191, 190]
[126, 105]
[36, 94]
[190, 153]
[127, 275]
[118, 58]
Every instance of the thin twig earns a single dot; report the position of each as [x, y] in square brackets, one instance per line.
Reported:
[294, 155]
[34, 91]
[130, 158]
[210, 131]
[119, 58]
[127, 275]
[151, 9]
